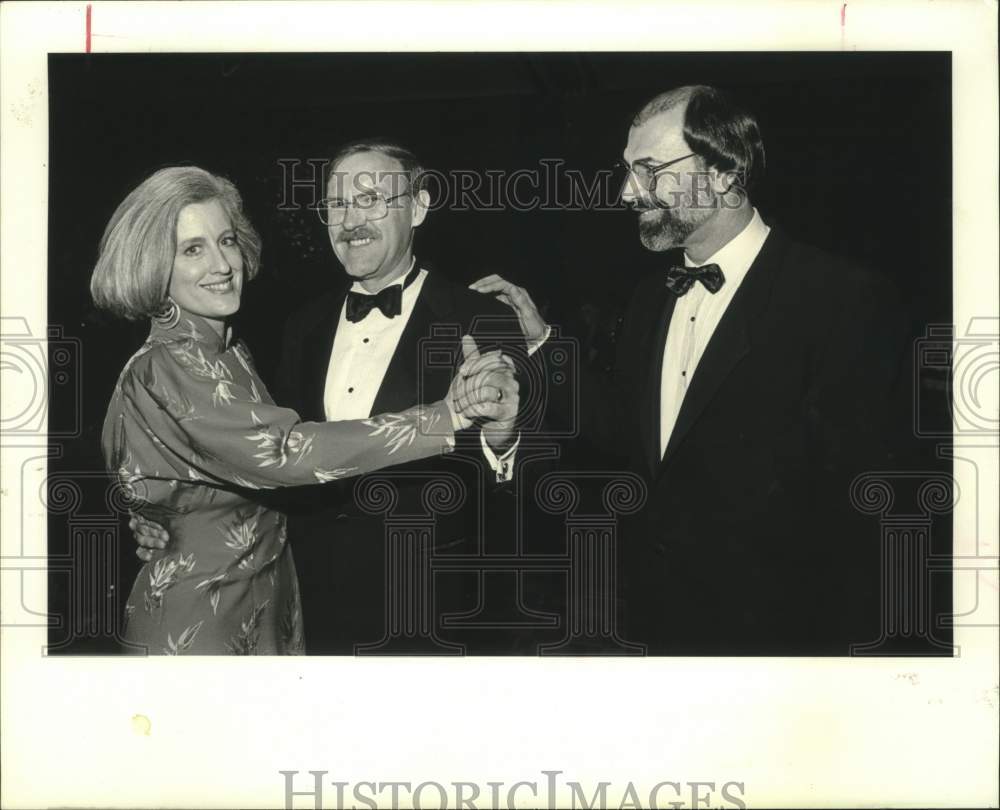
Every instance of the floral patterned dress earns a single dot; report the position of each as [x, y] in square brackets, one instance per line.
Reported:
[191, 433]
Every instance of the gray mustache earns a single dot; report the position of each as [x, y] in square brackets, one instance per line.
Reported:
[359, 233]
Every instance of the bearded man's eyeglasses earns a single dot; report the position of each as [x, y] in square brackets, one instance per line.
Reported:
[645, 173]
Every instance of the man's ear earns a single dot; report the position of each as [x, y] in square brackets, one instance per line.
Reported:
[726, 182]
[421, 202]
[728, 186]
[719, 181]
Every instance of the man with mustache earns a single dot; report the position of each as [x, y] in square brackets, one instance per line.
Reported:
[752, 383]
[368, 348]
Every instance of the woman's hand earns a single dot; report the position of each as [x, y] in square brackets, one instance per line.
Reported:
[483, 389]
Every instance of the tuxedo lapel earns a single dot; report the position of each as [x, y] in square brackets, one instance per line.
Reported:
[652, 344]
[400, 388]
[729, 344]
[316, 359]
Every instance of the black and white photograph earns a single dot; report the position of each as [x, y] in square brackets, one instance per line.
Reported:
[471, 376]
[687, 454]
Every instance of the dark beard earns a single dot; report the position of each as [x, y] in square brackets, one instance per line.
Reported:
[665, 231]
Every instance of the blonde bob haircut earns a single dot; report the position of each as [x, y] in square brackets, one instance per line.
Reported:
[132, 274]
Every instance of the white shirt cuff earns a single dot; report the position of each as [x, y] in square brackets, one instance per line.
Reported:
[535, 345]
[503, 465]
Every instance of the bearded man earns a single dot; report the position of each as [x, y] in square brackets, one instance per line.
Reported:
[751, 385]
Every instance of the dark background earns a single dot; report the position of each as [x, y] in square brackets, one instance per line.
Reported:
[858, 162]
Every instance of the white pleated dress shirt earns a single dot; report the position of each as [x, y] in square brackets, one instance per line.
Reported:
[695, 318]
[360, 359]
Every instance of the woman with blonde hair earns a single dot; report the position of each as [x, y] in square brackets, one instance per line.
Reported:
[192, 433]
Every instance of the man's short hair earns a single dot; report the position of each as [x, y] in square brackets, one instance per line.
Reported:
[132, 274]
[415, 172]
[724, 135]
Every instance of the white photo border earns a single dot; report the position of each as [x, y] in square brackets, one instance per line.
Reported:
[122, 732]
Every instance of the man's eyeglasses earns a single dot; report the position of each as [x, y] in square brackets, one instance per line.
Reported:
[333, 210]
[645, 173]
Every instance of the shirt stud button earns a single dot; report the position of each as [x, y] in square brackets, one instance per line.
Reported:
[350, 390]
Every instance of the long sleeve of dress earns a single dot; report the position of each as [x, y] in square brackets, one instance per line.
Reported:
[204, 417]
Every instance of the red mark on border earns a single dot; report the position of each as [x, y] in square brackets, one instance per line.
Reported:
[88, 28]
[843, 14]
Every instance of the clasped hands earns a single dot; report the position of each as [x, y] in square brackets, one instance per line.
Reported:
[484, 392]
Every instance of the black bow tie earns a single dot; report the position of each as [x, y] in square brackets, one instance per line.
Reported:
[681, 279]
[388, 300]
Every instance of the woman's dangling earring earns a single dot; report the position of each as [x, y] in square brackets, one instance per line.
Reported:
[169, 316]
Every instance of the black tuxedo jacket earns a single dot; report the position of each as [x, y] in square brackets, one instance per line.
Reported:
[748, 543]
[339, 549]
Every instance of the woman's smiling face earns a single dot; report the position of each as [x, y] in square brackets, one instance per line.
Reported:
[207, 277]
